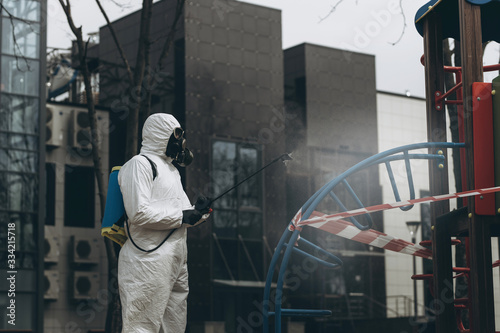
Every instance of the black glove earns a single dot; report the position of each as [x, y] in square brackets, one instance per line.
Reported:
[191, 216]
[203, 205]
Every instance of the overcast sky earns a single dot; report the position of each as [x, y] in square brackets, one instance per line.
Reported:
[377, 27]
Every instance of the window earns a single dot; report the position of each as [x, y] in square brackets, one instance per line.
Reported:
[79, 197]
[25, 43]
[20, 98]
[238, 215]
[18, 192]
[18, 160]
[240, 211]
[20, 76]
[27, 9]
[50, 193]
[19, 114]
[24, 241]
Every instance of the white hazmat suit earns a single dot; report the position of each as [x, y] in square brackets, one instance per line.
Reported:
[154, 286]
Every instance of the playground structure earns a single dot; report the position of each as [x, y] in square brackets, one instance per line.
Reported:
[478, 103]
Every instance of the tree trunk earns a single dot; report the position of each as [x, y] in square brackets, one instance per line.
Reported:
[140, 96]
[95, 137]
[136, 90]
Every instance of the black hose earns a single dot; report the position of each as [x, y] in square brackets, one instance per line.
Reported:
[139, 248]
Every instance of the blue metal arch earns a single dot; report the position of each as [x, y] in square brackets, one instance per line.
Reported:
[291, 235]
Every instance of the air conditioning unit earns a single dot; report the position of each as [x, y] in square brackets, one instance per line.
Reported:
[79, 132]
[84, 285]
[54, 136]
[50, 285]
[84, 250]
[51, 246]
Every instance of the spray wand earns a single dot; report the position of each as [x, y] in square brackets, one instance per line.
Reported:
[203, 204]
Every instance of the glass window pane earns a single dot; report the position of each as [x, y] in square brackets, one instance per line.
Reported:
[223, 175]
[18, 160]
[19, 114]
[22, 192]
[225, 223]
[225, 252]
[16, 219]
[250, 190]
[245, 263]
[4, 187]
[27, 233]
[15, 188]
[250, 225]
[20, 76]
[4, 160]
[26, 310]
[4, 140]
[24, 42]
[25, 142]
[4, 111]
[24, 237]
[27, 9]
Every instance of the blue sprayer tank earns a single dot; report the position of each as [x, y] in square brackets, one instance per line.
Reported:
[114, 212]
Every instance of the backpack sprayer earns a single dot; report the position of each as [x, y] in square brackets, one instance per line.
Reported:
[114, 212]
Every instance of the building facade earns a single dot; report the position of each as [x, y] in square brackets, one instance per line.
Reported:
[22, 177]
[332, 101]
[401, 120]
[243, 101]
[223, 81]
[76, 272]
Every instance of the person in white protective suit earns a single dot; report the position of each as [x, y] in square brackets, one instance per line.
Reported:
[153, 286]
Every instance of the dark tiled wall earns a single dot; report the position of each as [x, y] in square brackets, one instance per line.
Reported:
[234, 91]
[331, 97]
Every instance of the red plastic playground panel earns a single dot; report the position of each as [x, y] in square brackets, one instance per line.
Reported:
[484, 166]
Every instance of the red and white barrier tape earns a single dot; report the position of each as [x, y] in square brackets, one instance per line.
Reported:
[319, 220]
[371, 237]
[335, 224]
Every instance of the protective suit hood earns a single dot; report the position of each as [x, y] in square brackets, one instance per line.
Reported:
[156, 131]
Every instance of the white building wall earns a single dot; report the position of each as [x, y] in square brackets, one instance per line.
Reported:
[402, 120]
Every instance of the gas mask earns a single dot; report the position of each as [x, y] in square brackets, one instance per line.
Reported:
[176, 148]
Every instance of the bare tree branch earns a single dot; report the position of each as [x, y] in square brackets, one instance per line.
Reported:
[404, 23]
[121, 5]
[94, 139]
[333, 9]
[170, 37]
[144, 44]
[139, 90]
[164, 53]
[17, 48]
[117, 43]
[90, 101]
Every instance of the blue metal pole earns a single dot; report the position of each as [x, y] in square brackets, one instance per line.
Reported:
[281, 277]
[269, 278]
